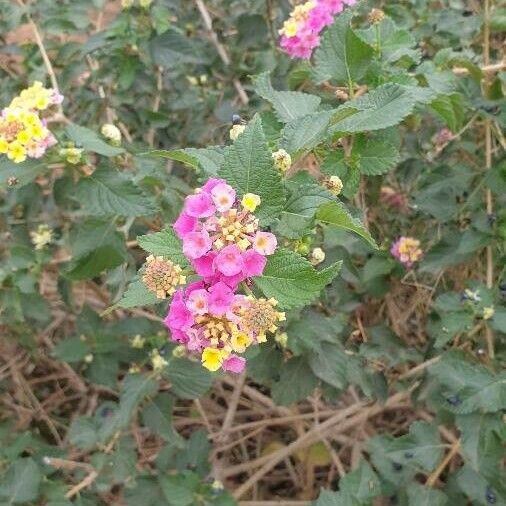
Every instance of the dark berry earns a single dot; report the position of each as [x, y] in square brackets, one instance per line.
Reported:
[396, 466]
[236, 119]
[454, 400]
[490, 496]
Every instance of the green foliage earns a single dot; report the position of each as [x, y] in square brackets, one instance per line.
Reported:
[292, 280]
[402, 112]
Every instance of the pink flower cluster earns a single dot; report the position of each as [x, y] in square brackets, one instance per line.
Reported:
[301, 32]
[220, 237]
[222, 241]
[407, 250]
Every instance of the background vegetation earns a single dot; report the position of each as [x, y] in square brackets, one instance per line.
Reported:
[387, 389]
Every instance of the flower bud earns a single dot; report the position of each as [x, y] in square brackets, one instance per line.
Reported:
[235, 131]
[282, 160]
[334, 184]
[317, 256]
[41, 237]
[111, 133]
[138, 342]
[375, 16]
[162, 276]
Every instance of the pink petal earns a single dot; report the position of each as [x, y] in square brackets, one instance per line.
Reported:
[234, 364]
[254, 263]
[185, 224]
[199, 205]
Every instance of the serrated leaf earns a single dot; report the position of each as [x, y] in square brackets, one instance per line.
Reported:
[374, 156]
[306, 132]
[24, 172]
[178, 155]
[157, 417]
[418, 495]
[91, 141]
[342, 56]
[172, 48]
[289, 105]
[249, 168]
[21, 482]
[164, 243]
[175, 490]
[107, 193]
[381, 108]
[336, 214]
[361, 484]
[137, 294]
[135, 388]
[96, 247]
[83, 433]
[422, 446]
[296, 382]
[329, 364]
[209, 159]
[451, 109]
[300, 208]
[292, 280]
[189, 379]
[472, 386]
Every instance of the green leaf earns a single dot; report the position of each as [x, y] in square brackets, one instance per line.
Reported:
[21, 482]
[329, 364]
[422, 446]
[292, 280]
[296, 382]
[164, 243]
[300, 208]
[137, 294]
[91, 141]
[361, 484]
[374, 156]
[472, 386]
[328, 498]
[419, 495]
[135, 388]
[172, 48]
[157, 417]
[336, 214]
[83, 433]
[71, 349]
[249, 168]
[25, 172]
[305, 133]
[381, 108]
[96, 247]
[108, 192]
[189, 379]
[451, 109]
[209, 159]
[289, 105]
[176, 491]
[342, 56]
[178, 155]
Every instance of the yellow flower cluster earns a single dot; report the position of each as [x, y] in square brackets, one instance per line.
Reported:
[298, 15]
[23, 133]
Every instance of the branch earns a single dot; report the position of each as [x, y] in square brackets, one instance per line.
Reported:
[220, 48]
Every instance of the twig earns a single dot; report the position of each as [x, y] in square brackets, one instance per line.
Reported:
[220, 48]
[83, 484]
[156, 103]
[232, 407]
[431, 480]
[314, 434]
[43, 53]
[419, 368]
[489, 336]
